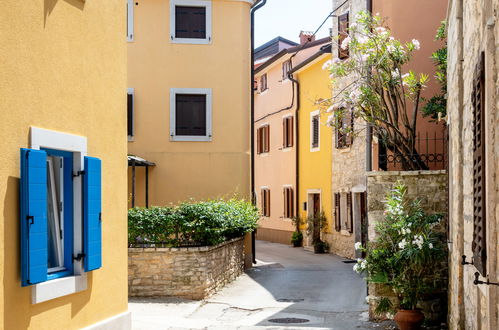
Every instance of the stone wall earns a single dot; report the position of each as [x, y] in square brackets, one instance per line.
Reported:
[189, 273]
[473, 28]
[428, 186]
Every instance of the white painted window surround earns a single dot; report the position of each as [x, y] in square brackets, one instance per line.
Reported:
[200, 91]
[43, 138]
[191, 3]
[129, 21]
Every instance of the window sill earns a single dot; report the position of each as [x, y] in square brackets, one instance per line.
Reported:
[344, 232]
[190, 41]
[286, 149]
[58, 288]
[177, 138]
[314, 149]
[261, 93]
[285, 81]
[344, 149]
[131, 138]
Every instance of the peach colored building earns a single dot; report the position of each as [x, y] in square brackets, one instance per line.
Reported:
[275, 140]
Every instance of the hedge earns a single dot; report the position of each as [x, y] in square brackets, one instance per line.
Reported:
[191, 223]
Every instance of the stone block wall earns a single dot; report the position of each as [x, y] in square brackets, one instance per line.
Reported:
[189, 273]
[428, 186]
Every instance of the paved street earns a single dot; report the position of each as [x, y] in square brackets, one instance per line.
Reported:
[287, 283]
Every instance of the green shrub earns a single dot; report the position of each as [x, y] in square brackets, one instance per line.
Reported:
[297, 239]
[191, 223]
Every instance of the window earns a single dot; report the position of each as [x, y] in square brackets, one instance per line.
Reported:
[344, 131]
[288, 202]
[343, 212]
[479, 245]
[190, 114]
[314, 131]
[60, 213]
[337, 211]
[342, 34]
[265, 202]
[263, 139]
[286, 67]
[130, 112]
[263, 83]
[349, 215]
[129, 20]
[287, 132]
[190, 21]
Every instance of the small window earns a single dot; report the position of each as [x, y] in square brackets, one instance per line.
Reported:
[314, 130]
[130, 112]
[342, 35]
[286, 67]
[287, 132]
[263, 139]
[190, 21]
[337, 211]
[190, 114]
[263, 83]
[129, 20]
[288, 202]
[344, 131]
[265, 202]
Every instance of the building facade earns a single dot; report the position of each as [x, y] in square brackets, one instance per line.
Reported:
[63, 181]
[189, 98]
[473, 119]
[275, 140]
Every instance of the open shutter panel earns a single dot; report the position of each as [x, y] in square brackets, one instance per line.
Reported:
[285, 133]
[349, 213]
[34, 252]
[337, 212]
[291, 204]
[342, 33]
[349, 134]
[267, 139]
[130, 113]
[479, 246]
[130, 20]
[92, 221]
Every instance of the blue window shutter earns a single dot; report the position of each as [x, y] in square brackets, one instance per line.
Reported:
[34, 251]
[92, 222]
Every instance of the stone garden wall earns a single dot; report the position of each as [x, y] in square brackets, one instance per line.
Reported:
[189, 273]
[431, 188]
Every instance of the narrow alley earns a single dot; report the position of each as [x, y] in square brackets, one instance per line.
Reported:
[288, 284]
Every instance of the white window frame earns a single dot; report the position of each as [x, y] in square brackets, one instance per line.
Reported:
[43, 138]
[192, 3]
[312, 115]
[192, 138]
[130, 31]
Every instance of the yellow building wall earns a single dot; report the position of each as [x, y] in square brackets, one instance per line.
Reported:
[184, 170]
[315, 167]
[63, 67]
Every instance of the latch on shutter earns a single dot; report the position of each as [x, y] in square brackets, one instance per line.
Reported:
[477, 281]
[79, 256]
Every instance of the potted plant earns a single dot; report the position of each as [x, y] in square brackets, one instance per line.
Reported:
[297, 239]
[408, 255]
[315, 225]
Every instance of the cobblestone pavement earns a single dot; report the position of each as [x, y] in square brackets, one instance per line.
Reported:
[287, 285]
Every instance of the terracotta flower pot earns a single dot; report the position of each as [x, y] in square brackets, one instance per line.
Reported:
[409, 319]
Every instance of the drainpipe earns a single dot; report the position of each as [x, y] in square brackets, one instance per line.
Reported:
[369, 130]
[254, 8]
[296, 84]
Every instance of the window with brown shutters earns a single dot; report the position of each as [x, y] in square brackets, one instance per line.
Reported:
[479, 245]
[130, 97]
[315, 134]
[265, 202]
[288, 202]
[263, 83]
[190, 22]
[342, 34]
[287, 132]
[337, 211]
[286, 67]
[349, 219]
[344, 130]
[263, 139]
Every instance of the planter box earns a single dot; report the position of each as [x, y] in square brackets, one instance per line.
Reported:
[189, 273]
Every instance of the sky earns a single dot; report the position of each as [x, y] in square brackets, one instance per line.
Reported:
[286, 18]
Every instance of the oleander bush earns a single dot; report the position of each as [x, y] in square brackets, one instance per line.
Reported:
[191, 223]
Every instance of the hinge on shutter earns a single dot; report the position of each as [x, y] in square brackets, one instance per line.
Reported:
[31, 219]
[79, 256]
[77, 174]
[477, 281]
[464, 262]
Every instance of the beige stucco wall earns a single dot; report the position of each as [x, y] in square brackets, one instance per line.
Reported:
[63, 67]
[198, 170]
[277, 167]
[472, 28]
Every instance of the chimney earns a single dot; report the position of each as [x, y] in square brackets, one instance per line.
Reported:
[306, 36]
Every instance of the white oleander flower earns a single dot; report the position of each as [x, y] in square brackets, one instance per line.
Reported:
[358, 245]
[430, 246]
[416, 44]
[402, 244]
[345, 42]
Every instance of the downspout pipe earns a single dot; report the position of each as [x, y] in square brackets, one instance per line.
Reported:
[296, 84]
[369, 129]
[254, 8]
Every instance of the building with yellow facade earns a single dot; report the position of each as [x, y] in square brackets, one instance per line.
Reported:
[63, 228]
[188, 99]
[314, 140]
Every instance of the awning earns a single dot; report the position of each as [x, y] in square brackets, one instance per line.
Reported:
[138, 161]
